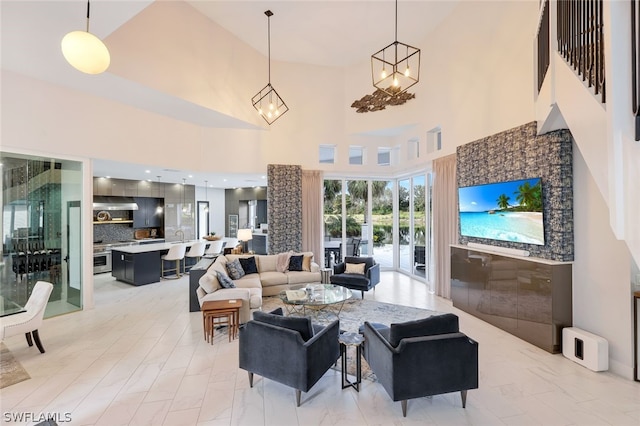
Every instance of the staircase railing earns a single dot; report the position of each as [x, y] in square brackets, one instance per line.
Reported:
[635, 63]
[542, 40]
[581, 40]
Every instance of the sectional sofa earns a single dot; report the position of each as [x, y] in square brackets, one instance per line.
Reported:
[271, 278]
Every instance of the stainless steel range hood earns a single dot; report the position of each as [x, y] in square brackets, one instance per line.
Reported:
[114, 203]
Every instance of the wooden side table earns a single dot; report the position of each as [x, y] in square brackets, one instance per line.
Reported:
[226, 311]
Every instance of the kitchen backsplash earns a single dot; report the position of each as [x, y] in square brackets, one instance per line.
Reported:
[112, 232]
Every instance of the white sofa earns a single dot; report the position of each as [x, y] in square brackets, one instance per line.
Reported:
[250, 288]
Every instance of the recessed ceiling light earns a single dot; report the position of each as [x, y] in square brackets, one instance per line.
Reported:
[147, 171]
[263, 177]
[190, 176]
[224, 180]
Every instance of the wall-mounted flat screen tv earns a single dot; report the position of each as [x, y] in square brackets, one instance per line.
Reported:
[504, 211]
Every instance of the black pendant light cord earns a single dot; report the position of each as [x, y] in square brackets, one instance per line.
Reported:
[88, 7]
[269, 13]
[396, 20]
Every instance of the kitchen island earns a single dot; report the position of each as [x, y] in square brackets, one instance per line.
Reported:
[141, 264]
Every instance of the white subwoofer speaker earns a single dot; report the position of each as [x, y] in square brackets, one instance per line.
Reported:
[585, 348]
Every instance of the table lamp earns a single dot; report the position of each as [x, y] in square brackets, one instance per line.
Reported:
[244, 235]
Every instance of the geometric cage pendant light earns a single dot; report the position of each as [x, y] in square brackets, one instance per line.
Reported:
[267, 101]
[396, 67]
[84, 51]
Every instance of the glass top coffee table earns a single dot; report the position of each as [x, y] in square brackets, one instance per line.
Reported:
[315, 300]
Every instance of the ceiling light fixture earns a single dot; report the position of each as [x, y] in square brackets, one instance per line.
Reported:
[267, 101]
[85, 52]
[396, 67]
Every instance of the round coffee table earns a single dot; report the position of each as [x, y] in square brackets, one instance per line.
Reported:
[315, 299]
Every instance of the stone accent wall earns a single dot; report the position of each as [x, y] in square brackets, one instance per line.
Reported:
[519, 154]
[284, 195]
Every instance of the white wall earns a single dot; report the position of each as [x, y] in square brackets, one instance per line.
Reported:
[601, 271]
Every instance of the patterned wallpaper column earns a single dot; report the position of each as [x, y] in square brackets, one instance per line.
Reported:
[284, 195]
[519, 153]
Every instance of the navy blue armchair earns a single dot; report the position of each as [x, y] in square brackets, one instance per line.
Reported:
[422, 358]
[288, 350]
[363, 282]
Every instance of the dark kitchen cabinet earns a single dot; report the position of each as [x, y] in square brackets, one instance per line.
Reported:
[136, 268]
[148, 215]
[261, 212]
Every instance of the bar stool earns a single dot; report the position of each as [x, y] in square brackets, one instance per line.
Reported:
[215, 247]
[176, 253]
[196, 251]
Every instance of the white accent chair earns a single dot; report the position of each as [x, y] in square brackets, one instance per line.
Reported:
[28, 322]
[215, 247]
[196, 251]
[175, 254]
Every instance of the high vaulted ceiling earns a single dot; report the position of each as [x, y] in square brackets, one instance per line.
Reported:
[326, 33]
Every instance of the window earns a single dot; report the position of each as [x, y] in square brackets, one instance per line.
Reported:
[434, 140]
[327, 154]
[413, 148]
[384, 156]
[356, 154]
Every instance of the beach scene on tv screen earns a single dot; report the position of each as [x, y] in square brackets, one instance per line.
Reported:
[504, 211]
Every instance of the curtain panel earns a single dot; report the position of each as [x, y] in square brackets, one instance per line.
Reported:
[312, 214]
[445, 220]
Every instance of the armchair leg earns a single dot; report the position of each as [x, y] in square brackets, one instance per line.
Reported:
[298, 393]
[404, 407]
[28, 336]
[250, 379]
[362, 292]
[463, 394]
[36, 337]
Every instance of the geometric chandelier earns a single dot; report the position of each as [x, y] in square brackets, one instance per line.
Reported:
[267, 101]
[396, 67]
[84, 51]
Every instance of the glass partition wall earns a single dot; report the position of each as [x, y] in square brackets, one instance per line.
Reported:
[41, 231]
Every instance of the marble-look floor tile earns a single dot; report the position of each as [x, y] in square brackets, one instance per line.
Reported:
[122, 364]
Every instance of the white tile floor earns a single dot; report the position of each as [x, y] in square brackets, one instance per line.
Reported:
[140, 358]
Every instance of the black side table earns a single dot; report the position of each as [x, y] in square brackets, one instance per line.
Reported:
[351, 339]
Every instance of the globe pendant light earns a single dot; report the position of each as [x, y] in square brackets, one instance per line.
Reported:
[396, 67]
[84, 51]
[267, 101]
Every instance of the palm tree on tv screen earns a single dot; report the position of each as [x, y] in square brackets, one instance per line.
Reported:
[503, 201]
[530, 196]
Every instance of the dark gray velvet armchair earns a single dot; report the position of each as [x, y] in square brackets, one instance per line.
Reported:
[288, 350]
[422, 358]
[360, 282]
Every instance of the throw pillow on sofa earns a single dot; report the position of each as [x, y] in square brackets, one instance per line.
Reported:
[354, 268]
[225, 281]
[249, 265]
[295, 263]
[235, 269]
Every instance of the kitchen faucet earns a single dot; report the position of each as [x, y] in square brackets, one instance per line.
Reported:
[181, 233]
